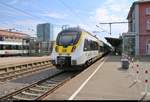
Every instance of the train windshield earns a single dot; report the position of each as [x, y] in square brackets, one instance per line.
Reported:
[68, 38]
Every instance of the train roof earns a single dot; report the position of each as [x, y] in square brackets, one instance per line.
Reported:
[75, 29]
[78, 29]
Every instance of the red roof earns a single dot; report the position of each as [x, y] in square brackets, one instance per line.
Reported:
[13, 34]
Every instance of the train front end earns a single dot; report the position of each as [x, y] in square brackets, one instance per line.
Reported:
[65, 48]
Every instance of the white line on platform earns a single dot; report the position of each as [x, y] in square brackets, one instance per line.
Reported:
[85, 82]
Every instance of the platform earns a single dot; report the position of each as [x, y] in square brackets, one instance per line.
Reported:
[15, 60]
[104, 80]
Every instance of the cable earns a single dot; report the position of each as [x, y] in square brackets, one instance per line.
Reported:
[76, 14]
[102, 29]
[24, 12]
[72, 11]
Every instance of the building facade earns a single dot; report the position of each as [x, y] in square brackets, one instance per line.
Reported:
[45, 32]
[139, 27]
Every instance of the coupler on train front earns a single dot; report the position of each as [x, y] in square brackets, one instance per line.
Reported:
[66, 63]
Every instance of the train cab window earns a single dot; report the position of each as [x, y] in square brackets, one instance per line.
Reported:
[68, 38]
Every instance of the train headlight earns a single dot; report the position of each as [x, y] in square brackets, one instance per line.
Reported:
[73, 48]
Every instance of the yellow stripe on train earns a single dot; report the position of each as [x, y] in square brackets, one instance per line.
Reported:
[62, 50]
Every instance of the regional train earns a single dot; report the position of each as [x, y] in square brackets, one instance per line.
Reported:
[13, 49]
[76, 47]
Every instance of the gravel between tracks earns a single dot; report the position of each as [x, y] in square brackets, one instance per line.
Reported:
[8, 87]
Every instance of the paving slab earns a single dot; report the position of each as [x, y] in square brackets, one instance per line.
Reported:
[110, 82]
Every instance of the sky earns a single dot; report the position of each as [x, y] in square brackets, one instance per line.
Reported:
[24, 15]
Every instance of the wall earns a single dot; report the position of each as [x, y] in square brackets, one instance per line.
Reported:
[144, 33]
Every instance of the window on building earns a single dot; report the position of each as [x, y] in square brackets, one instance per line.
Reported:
[147, 11]
[148, 24]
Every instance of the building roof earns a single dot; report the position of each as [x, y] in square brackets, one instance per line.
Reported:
[13, 34]
[135, 3]
[115, 42]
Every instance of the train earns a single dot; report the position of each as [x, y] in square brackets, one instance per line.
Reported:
[13, 43]
[77, 47]
[13, 49]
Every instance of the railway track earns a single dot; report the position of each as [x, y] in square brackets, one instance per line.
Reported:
[13, 71]
[40, 89]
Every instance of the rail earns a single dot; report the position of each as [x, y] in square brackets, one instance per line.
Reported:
[40, 89]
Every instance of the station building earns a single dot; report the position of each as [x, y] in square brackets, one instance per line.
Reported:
[137, 40]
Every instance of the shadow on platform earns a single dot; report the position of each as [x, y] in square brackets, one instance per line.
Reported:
[114, 58]
[122, 69]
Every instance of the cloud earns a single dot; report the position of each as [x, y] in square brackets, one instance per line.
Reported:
[55, 15]
[103, 15]
[29, 22]
[84, 26]
[112, 11]
[12, 2]
[121, 5]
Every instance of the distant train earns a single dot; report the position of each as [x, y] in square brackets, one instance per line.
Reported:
[13, 49]
[77, 47]
[13, 43]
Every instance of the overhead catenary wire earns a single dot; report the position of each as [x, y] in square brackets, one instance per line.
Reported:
[21, 11]
[76, 14]
[110, 23]
[103, 30]
[72, 11]
[26, 13]
[17, 9]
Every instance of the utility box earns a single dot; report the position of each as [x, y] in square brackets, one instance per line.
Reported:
[125, 63]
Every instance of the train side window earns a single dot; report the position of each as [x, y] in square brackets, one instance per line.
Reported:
[8, 47]
[17, 47]
[96, 46]
[1, 38]
[20, 47]
[85, 45]
[93, 45]
[101, 49]
[1, 47]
